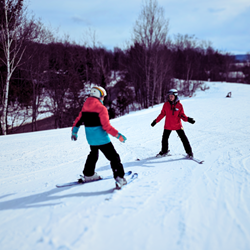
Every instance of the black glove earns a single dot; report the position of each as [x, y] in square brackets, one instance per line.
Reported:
[153, 123]
[191, 120]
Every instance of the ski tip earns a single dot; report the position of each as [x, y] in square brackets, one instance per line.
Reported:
[128, 173]
[135, 175]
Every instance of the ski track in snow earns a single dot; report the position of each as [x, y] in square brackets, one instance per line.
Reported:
[174, 204]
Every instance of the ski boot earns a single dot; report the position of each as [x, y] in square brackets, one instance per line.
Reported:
[85, 178]
[162, 154]
[190, 155]
[119, 182]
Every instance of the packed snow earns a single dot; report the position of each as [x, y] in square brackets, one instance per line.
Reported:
[174, 204]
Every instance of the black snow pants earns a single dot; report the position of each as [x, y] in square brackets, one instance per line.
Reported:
[110, 153]
[182, 136]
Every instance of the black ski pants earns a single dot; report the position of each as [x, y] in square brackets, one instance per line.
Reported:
[110, 153]
[182, 136]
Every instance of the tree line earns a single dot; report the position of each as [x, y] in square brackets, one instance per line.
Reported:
[40, 73]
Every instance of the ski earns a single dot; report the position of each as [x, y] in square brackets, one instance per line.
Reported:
[80, 183]
[161, 156]
[164, 155]
[158, 156]
[132, 178]
[194, 159]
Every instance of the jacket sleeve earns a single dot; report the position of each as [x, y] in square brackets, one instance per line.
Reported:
[162, 114]
[182, 115]
[78, 120]
[104, 118]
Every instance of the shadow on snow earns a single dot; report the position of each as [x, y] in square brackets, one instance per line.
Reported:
[32, 201]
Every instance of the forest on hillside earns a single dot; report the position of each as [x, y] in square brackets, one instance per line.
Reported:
[43, 73]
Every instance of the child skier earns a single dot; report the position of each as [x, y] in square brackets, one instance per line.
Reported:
[173, 110]
[94, 115]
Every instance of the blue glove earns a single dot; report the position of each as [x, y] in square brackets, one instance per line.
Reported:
[121, 137]
[74, 133]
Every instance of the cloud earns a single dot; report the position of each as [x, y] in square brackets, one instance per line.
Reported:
[223, 22]
[212, 10]
[81, 20]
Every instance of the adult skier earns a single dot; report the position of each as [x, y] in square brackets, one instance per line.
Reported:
[173, 110]
[94, 116]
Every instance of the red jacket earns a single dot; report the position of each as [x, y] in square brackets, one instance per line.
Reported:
[174, 113]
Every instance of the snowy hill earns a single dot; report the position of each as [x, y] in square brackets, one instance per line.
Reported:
[174, 204]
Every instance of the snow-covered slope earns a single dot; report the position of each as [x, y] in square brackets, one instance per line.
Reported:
[174, 204]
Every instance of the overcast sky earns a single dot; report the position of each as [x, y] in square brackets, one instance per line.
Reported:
[226, 23]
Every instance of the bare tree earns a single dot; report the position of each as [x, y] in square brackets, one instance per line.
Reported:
[150, 32]
[187, 44]
[90, 38]
[12, 44]
[151, 28]
[161, 73]
[36, 72]
[228, 62]
[15, 30]
[36, 63]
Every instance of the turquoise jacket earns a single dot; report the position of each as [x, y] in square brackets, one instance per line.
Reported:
[94, 116]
